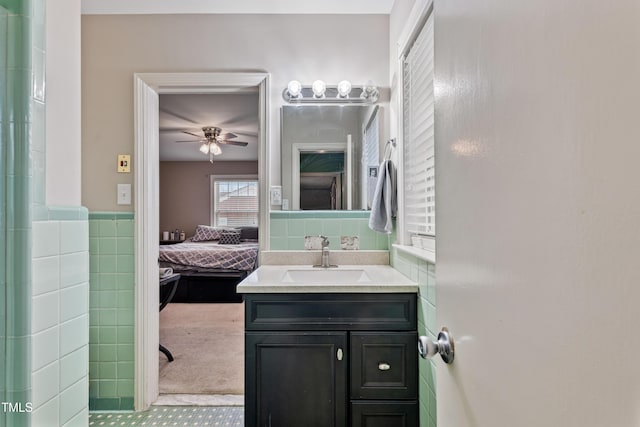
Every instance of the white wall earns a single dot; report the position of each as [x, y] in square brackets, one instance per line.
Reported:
[305, 47]
[63, 105]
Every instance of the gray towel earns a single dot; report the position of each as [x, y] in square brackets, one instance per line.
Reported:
[384, 204]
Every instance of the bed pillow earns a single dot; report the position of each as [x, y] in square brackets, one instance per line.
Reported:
[206, 233]
[248, 233]
[229, 237]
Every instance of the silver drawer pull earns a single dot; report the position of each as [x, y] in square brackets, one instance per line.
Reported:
[384, 366]
[339, 354]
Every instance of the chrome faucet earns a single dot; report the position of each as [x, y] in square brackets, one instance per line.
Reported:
[324, 260]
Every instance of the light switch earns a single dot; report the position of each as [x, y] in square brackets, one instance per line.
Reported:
[124, 163]
[276, 195]
[124, 194]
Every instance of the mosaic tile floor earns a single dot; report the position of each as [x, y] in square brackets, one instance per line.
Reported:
[160, 416]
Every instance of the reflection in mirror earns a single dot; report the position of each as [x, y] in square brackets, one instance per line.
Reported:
[327, 155]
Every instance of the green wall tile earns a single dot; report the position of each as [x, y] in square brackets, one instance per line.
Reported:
[312, 227]
[125, 352]
[107, 370]
[107, 246]
[125, 281]
[279, 243]
[125, 245]
[108, 335]
[107, 228]
[124, 227]
[107, 264]
[124, 387]
[107, 388]
[125, 334]
[294, 228]
[125, 263]
[278, 228]
[125, 370]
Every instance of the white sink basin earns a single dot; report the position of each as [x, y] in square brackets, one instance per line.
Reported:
[341, 276]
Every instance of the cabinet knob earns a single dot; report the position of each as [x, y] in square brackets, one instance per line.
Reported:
[339, 354]
[384, 366]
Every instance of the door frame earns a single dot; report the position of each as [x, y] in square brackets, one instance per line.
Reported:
[147, 88]
[330, 147]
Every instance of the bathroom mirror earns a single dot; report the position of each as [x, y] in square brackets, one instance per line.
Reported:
[328, 153]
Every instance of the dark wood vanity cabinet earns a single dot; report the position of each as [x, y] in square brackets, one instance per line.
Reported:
[331, 360]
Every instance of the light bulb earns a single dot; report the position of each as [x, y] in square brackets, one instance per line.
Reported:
[215, 149]
[344, 87]
[369, 91]
[318, 88]
[294, 88]
[204, 148]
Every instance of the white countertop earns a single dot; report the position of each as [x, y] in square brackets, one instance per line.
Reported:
[343, 279]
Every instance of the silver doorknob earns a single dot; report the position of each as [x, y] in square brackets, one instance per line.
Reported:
[428, 347]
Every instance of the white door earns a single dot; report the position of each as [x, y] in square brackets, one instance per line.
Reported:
[538, 212]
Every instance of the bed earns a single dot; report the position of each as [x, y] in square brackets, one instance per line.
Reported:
[210, 266]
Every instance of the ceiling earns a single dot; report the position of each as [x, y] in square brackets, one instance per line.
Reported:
[232, 112]
[91, 7]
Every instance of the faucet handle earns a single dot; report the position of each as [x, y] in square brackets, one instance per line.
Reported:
[325, 241]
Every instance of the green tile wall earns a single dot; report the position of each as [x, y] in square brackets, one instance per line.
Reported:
[16, 170]
[288, 229]
[111, 302]
[424, 273]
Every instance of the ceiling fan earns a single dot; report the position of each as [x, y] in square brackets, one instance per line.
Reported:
[213, 139]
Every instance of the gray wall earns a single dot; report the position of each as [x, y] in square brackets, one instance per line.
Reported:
[304, 47]
[185, 191]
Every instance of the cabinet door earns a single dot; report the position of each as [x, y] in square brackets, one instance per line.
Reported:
[295, 379]
[384, 365]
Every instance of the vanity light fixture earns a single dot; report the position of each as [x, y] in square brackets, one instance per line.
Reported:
[320, 93]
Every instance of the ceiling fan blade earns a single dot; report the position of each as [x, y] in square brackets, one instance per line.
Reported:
[239, 143]
[228, 135]
[191, 133]
[194, 140]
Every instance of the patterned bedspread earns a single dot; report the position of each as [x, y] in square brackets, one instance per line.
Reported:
[209, 255]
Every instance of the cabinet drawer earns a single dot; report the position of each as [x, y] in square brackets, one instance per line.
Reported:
[384, 414]
[330, 312]
[384, 365]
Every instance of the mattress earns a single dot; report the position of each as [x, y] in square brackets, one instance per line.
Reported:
[209, 256]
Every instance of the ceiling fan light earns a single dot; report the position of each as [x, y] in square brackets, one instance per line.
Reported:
[344, 88]
[215, 149]
[204, 148]
[294, 88]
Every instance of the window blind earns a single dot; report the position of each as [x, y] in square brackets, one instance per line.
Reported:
[418, 127]
[235, 202]
[370, 157]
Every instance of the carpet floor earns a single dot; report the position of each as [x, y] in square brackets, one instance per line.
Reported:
[207, 343]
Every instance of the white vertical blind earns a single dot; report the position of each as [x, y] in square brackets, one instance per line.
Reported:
[370, 156]
[235, 202]
[418, 111]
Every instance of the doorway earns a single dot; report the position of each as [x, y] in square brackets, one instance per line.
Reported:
[147, 88]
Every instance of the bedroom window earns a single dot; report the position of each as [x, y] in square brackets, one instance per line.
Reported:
[234, 201]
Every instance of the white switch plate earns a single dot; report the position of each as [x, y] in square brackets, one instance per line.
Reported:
[276, 195]
[124, 194]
